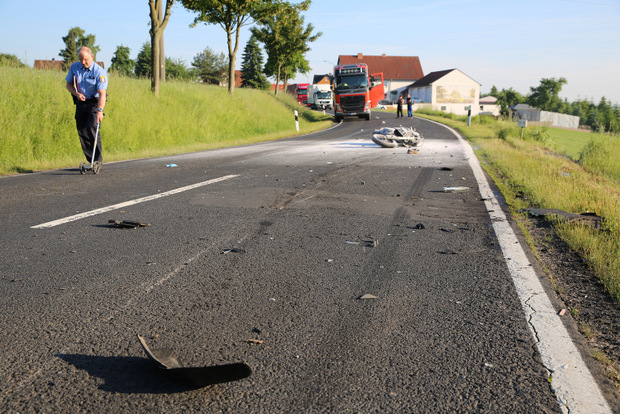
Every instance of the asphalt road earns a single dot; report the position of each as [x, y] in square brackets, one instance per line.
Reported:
[315, 223]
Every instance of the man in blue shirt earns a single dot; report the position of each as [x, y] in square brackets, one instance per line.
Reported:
[88, 82]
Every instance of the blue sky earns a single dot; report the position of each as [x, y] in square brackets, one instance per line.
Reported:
[506, 44]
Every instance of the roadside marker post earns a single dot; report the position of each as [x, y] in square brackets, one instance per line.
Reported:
[296, 120]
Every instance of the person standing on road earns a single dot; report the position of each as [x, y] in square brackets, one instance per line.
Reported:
[88, 83]
[409, 107]
[399, 107]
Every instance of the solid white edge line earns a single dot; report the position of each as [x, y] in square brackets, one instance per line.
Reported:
[130, 203]
[574, 386]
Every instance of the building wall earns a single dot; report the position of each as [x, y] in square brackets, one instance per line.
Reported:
[453, 93]
[397, 85]
[489, 109]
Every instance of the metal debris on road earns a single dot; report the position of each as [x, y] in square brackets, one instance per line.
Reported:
[171, 165]
[233, 250]
[455, 189]
[194, 377]
[128, 224]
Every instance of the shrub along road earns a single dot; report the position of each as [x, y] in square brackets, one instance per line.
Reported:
[268, 266]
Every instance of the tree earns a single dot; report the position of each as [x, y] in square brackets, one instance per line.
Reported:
[295, 64]
[10, 61]
[158, 25]
[252, 66]
[73, 41]
[121, 62]
[231, 15]
[211, 66]
[177, 69]
[546, 96]
[144, 66]
[285, 37]
[507, 98]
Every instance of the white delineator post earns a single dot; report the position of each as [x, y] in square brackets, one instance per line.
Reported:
[296, 120]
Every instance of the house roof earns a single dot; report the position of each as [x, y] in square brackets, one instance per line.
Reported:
[48, 64]
[393, 67]
[430, 78]
[433, 77]
[523, 107]
[320, 79]
[53, 64]
[488, 100]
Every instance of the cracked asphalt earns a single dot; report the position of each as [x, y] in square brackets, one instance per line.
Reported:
[269, 268]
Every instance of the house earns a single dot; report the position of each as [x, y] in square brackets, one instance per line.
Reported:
[489, 106]
[322, 80]
[538, 117]
[447, 90]
[53, 64]
[398, 71]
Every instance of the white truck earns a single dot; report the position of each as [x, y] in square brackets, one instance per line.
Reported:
[320, 96]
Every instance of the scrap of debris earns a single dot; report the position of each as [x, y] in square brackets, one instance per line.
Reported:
[395, 137]
[455, 189]
[233, 250]
[128, 224]
[371, 242]
[367, 296]
[195, 377]
[590, 219]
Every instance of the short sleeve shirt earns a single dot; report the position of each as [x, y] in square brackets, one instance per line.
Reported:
[89, 81]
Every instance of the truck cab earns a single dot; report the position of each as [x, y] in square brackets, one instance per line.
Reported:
[356, 92]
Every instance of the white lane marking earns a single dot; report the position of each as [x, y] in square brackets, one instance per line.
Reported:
[130, 203]
[575, 388]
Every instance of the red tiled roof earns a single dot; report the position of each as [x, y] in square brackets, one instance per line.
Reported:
[393, 67]
[48, 64]
[53, 64]
[238, 79]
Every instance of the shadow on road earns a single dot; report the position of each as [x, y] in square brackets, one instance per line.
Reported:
[126, 375]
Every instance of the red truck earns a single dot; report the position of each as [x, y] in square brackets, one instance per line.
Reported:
[302, 93]
[355, 91]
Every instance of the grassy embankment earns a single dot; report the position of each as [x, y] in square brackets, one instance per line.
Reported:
[37, 129]
[553, 168]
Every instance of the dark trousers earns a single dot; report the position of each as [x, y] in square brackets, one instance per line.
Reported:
[399, 111]
[86, 123]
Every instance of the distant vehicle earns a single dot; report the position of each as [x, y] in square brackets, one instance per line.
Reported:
[320, 96]
[355, 91]
[302, 93]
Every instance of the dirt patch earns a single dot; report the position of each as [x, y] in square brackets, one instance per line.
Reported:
[584, 296]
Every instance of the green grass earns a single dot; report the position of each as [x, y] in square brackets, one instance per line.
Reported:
[37, 129]
[535, 172]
